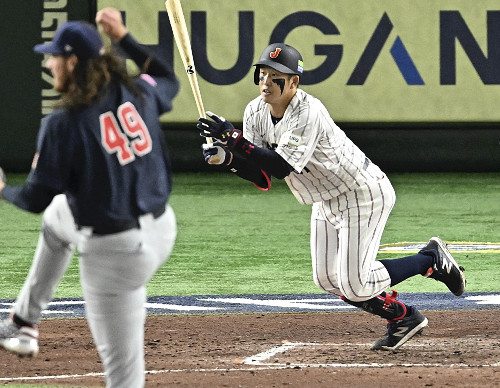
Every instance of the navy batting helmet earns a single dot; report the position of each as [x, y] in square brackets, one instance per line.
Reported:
[281, 57]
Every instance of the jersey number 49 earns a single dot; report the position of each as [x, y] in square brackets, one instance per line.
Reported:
[128, 139]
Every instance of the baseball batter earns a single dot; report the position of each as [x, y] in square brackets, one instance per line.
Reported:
[289, 134]
[102, 176]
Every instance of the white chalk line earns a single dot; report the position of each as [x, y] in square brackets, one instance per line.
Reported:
[257, 362]
[258, 359]
[456, 246]
[260, 367]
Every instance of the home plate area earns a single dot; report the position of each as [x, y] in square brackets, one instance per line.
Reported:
[351, 355]
[297, 349]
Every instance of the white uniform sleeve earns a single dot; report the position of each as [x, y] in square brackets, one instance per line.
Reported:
[251, 124]
[298, 141]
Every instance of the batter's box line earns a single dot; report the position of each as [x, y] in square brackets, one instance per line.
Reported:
[259, 367]
[148, 372]
[258, 359]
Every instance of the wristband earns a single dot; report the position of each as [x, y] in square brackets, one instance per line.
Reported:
[239, 143]
[234, 137]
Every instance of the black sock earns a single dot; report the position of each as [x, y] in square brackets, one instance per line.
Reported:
[406, 267]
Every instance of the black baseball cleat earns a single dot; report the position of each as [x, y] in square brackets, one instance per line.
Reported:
[401, 331]
[445, 269]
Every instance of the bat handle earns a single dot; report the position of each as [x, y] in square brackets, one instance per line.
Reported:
[202, 113]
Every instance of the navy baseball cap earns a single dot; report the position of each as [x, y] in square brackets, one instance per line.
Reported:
[79, 38]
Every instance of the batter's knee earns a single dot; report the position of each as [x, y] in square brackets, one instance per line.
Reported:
[360, 294]
[354, 297]
[327, 286]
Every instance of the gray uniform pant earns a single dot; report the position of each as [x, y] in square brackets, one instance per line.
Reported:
[114, 271]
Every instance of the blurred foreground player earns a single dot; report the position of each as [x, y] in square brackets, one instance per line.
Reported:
[102, 176]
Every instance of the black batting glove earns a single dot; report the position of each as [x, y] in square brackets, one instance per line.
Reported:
[216, 153]
[219, 128]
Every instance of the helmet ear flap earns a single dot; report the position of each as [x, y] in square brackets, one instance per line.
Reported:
[256, 75]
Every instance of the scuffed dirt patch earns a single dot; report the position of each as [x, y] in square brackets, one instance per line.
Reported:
[458, 349]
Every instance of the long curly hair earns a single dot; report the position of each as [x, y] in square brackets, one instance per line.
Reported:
[90, 77]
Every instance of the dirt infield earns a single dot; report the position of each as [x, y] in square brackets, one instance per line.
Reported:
[458, 349]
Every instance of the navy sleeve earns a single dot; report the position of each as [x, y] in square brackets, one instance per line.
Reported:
[267, 160]
[145, 59]
[32, 198]
[49, 177]
[157, 78]
[57, 150]
[249, 171]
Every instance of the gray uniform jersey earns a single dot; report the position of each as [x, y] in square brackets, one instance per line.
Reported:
[326, 162]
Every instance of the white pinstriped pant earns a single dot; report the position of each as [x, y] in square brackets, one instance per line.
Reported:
[345, 238]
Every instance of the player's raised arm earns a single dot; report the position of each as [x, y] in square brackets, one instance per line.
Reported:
[111, 22]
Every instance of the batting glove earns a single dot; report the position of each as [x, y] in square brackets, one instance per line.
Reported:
[216, 153]
[219, 128]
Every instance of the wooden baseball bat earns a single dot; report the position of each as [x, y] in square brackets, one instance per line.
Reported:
[179, 29]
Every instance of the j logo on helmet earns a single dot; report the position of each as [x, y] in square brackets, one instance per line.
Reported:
[274, 54]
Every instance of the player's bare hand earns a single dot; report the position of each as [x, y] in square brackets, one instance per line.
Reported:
[216, 153]
[111, 21]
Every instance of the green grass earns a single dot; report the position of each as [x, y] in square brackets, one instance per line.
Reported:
[235, 239]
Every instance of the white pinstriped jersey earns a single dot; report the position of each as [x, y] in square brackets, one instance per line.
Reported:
[326, 162]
